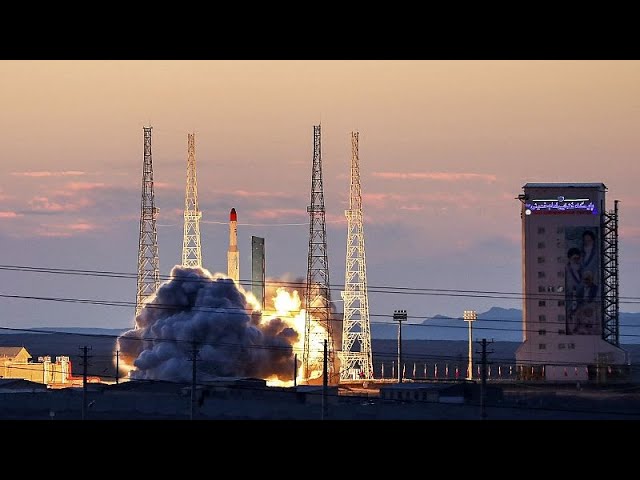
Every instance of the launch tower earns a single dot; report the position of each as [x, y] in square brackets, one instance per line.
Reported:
[148, 269]
[191, 251]
[317, 294]
[356, 356]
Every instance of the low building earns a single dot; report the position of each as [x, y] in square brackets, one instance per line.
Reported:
[16, 363]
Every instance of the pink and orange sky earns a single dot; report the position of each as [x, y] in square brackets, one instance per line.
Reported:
[445, 147]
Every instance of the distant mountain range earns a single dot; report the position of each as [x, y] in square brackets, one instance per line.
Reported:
[500, 324]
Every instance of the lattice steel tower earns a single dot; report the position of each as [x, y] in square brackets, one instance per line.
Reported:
[191, 252]
[317, 294]
[148, 270]
[356, 329]
[611, 276]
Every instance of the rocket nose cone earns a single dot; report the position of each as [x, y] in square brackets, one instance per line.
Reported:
[232, 215]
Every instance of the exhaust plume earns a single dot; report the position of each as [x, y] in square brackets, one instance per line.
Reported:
[214, 312]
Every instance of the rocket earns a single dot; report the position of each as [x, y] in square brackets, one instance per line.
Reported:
[233, 260]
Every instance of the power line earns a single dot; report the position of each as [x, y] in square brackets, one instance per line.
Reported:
[302, 284]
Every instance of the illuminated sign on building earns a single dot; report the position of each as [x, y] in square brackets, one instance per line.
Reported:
[561, 205]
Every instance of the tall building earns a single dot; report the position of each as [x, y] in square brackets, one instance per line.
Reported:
[570, 284]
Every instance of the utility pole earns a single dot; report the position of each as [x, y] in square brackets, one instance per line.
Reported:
[483, 384]
[117, 366]
[295, 370]
[400, 316]
[325, 382]
[470, 316]
[85, 364]
[194, 359]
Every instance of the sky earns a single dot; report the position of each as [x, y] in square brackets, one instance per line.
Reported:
[445, 148]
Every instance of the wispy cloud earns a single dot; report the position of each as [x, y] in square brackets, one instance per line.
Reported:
[67, 230]
[279, 213]
[257, 194]
[83, 186]
[49, 173]
[167, 186]
[411, 208]
[45, 204]
[82, 227]
[6, 214]
[439, 176]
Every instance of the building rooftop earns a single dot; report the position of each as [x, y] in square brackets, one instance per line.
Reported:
[565, 185]
[10, 351]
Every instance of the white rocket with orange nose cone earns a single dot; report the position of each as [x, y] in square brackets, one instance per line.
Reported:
[233, 260]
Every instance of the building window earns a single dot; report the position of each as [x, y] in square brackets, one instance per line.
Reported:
[571, 346]
[541, 275]
[542, 318]
[561, 346]
[542, 332]
[561, 318]
[561, 331]
[561, 303]
[541, 288]
[542, 303]
[540, 244]
[540, 230]
[542, 346]
[551, 289]
[540, 259]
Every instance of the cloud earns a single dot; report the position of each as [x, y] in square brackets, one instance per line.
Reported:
[279, 213]
[5, 214]
[83, 186]
[440, 176]
[67, 230]
[45, 204]
[418, 201]
[47, 173]
[166, 186]
[256, 194]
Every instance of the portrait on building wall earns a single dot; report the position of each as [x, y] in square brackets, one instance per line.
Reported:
[582, 281]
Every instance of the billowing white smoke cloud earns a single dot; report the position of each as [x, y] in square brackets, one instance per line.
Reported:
[194, 306]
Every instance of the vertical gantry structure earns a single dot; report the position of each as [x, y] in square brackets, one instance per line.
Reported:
[317, 294]
[356, 355]
[610, 277]
[191, 251]
[148, 268]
